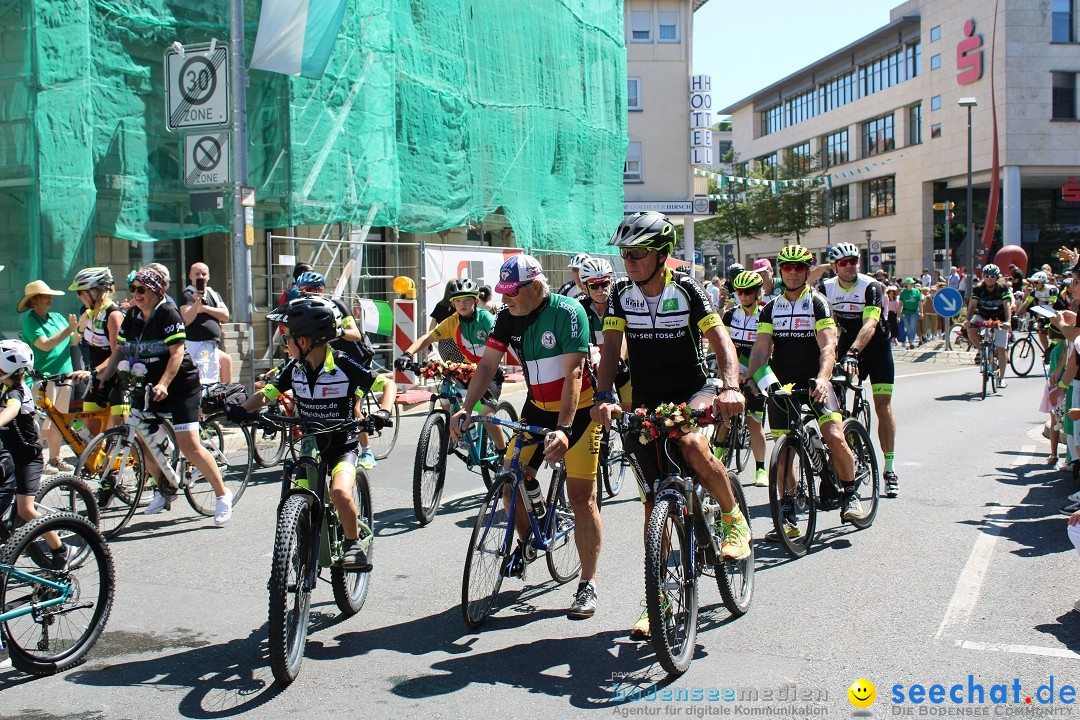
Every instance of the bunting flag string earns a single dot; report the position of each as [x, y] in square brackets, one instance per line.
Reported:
[723, 181]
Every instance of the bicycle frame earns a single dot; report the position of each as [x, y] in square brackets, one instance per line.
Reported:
[65, 590]
[63, 421]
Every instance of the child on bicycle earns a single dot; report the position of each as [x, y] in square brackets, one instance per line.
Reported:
[20, 435]
[327, 384]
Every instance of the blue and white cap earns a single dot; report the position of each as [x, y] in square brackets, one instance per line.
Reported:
[517, 271]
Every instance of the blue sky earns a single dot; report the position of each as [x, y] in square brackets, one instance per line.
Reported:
[746, 45]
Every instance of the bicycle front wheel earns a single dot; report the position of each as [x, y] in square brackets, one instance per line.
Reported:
[489, 547]
[738, 453]
[114, 470]
[735, 579]
[867, 480]
[382, 441]
[670, 588]
[429, 467]
[862, 414]
[1022, 356]
[64, 493]
[290, 600]
[350, 587]
[615, 465]
[230, 447]
[268, 444]
[56, 632]
[794, 508]
[562, 555]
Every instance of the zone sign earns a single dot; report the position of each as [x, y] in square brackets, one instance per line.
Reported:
[197, 87]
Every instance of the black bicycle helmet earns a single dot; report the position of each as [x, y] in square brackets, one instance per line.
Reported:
[462, 288]
[312, 317]
[649, 229]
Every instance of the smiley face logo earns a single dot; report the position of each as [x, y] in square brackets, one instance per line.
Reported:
[862, 693]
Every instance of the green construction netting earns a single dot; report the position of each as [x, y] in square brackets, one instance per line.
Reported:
[435, 112]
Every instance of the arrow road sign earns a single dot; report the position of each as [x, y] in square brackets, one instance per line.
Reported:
[207, 159]
[947, 302]
[197, 87]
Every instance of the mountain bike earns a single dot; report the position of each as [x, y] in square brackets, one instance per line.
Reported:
[489, 559]
[801, 454]
[309, 537]
[1024, 347]
[50, 617]
[682, 543]
[987, 355]
[65, 422]
[113, 463]
[476, 449]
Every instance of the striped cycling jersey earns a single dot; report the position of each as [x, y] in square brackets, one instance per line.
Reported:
[96, 334]
[469, 334]
[743, 327]
[663, 337]
[852, 306]
[794, 325]
[540, 339]
[1049, 295]
[991, 302]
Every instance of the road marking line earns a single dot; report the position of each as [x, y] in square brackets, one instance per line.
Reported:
[1025, 456]
[1020, 649]
[936, 372]
[971, 578]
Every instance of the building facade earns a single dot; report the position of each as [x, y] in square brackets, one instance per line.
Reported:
[886, 119]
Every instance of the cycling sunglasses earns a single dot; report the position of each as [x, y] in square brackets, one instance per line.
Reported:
[793, 267]
[515, 291]
[636, 253]
[748, 293]
[847, 262]
[136, 289]
[603, 285]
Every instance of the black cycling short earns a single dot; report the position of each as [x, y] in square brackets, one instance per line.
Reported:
[104, 396]
[182, 409]
[781, 417]
[876, 362]
[28, 474]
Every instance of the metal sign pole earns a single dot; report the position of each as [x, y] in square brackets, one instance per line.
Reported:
[241, 257]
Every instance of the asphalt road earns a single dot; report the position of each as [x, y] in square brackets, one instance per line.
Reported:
[969, 571]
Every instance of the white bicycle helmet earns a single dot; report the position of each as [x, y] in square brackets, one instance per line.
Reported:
[1039, 277]
[15, 355]
[840, 251]
[577, 260]
[92, 277]
[991, 269]
[596, 269]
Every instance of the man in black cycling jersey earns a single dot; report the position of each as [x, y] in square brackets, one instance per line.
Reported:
[858, 303]
[664, 317]
[797, 331]
[549, 333]
[991, 300]
[326, 383]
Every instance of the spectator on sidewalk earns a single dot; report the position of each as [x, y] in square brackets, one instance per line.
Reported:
[911, 309]
[203, 311]
[49, 335]
[954, 278]
[892, 312]
[926, 279]
[713, 290]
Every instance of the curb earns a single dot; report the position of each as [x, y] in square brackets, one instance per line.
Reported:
[934, 352]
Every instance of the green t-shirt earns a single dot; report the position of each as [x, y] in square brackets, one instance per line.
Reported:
[911, 298]
[48, 362]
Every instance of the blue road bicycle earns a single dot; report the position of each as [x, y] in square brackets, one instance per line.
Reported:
[490, 559]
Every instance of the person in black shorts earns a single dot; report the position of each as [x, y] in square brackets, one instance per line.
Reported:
[153, 335]
[99, 327]
[20, 441]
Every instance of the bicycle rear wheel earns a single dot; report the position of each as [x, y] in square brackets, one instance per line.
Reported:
[64, 493]
[50, 639]
[230, 446]
[795, 530]
[735, 579]
[382, 441]
[115, 472]
[1022, 356]
[867, 479]
[562, 555]
[615, 465]
[489, 547]
[488, 471]
[738, 446]
[429, 467]
[862, 413]
[670, 588]
[290, 600]
[268, 444]
[351, 587]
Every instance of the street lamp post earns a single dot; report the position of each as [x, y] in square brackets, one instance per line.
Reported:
[969, 102]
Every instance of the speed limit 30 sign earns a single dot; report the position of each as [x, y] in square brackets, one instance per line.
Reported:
[197, 87]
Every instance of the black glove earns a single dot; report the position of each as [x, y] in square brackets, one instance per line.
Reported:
[236, 414]
[851, 362]
[403, 361]
[381, 419]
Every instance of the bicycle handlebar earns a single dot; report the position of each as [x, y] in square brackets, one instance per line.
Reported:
[321, 425]
[512, 425]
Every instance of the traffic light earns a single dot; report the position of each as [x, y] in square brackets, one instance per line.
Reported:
[945, 206]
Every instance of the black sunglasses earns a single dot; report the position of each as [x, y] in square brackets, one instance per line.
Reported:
[137, 289]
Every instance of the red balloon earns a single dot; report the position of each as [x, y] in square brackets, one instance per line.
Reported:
[1011, 255]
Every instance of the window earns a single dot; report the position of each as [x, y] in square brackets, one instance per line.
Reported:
[840, 204]
[800, 155]
[836, 148]
[633, 93]
[1063, 100]
[1061, 23]
[935, 62]
[890, 69]
[669, 26]
[881, 197]
[935, 103]
[913, 60]
[766, 165]
[839, 91]
[935, 33]
[640, 26]
[632, 167]
[915, 124]
[935, 130]
[720, 149]
[878, 135]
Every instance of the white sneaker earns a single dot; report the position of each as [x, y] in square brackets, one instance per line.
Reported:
[223, 508]
[1075, 497]
[157, 504]
[1076, 605]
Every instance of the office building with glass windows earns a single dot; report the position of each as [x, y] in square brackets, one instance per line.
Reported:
[885, 119]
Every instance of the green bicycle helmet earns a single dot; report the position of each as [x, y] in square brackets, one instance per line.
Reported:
[795, 254]
[747, 280]
[649, 229]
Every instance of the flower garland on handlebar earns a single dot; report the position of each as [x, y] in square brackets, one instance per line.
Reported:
[669, 420]
[436, 368]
